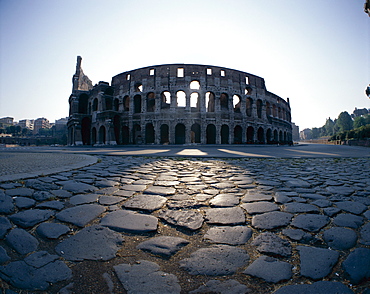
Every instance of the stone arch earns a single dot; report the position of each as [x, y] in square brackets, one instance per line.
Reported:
[150, 102]
[117, 128]
[236, 103]
[126, 103]
[95, 105]
[165, 99]
[268, 108]
[137, 138]
[102, 135]
[149, 133]
[165, 134]
[211, 134]
[195, 133]
[250, 135]
[138, 87]
[224, 134]
[224, 101]
[83, 102]
[259, 108]
[274, 110]
[85, 130]
[108, 103]
[194, 101]
[269, 136]
[210, 102]
[281, 137]
[137, 104]
[276, 137]
[125, 135]
[180, 132]
[261, 135]
[180, 99]
[116, 104]
[194, 85]
[238, 134]
[93, 136]
[249, 103]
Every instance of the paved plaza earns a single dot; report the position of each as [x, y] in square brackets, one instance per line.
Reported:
[185, 219]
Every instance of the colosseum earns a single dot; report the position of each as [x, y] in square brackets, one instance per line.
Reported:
[177, 104]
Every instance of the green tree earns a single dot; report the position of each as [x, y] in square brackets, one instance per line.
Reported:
[344, 122]
[359, 121]
[328, 128]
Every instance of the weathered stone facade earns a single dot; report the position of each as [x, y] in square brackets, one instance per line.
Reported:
[177, 104]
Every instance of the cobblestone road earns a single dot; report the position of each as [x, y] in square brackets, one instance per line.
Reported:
[175, 225]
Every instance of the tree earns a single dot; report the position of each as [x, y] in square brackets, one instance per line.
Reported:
[359, 121]
[344, 122]
[328, 128]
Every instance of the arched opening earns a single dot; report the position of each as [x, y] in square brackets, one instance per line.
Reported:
[137, 104]
[195, 133]
[238, 136]
[117, 128]
[274, 110]
[268, 108]
[279, 113]
[138, 87]
[261, 135]
[165, 99]
[224, 101]
[285, 138]
[248, 90]
[211, 134]
[85, 130]
[108, 103]
[210, 102]
[164, 134]
[108, 91]
[116, 104]
[149, 133]
[95, 105]
[181, 99]
[93, 136]
[224, 134]
[276, 137]
[249, 103]
[236, 103]
[150, 102]
[269, 136]
[194, 85]
[280, 137]
[180, 134]
[125, 135]
[137, 139]
[126, 103]
[259, 108]
[83, 103]
[250, 135]
[102, 135]
[194, 100]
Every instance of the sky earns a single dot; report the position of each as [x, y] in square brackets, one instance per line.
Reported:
[316, 53]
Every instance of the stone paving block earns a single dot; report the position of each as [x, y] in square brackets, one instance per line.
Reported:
[164, 245]
[61, 193]
[348, 220]
[365, 234]
[316, 263]
[80, 215]
[270, 269]
[52, 230]
[21, 241]
[312, 196]
[146, 277]
[24, 202]
[189, 219]
[91, 243]
[225, 216]
[129, 221]
[222, 287]
[217, 260]
[24, 192]
[357, 265]
[269, 243]
[225, 200]
[29, 218]
[77, 187]
[259, 207]
[110, 200]
[42, 195]
[351, 206]
[310, 222]
[295, 207]
[5, 225]
[340, 238]
[331, 211]
[232, 235]
[40, 185]
[4, 257]
[37, 272]
[55, 204]
[145, 202]
[341, 190]
[322, 287]
[160, 190]
[253, 197]
[322, 203]
[297, 235]
[84, 199]
[6, 204]
[271, 220]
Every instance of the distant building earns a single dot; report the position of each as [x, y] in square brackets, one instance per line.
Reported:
[40, 123]
[6, 122]
[26, 124]
[306, 134]
[359, 112]
[295, 132]
[61, 124]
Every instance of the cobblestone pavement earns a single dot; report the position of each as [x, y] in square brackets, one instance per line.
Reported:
[176, 225]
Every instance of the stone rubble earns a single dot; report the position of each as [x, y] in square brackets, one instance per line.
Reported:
[174, 225]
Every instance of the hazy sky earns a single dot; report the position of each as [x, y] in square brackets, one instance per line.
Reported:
[315, 52]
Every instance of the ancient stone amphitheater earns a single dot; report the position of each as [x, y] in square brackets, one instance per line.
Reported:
[177, 104]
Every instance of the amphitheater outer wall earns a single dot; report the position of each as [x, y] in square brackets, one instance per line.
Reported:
[177, 104]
